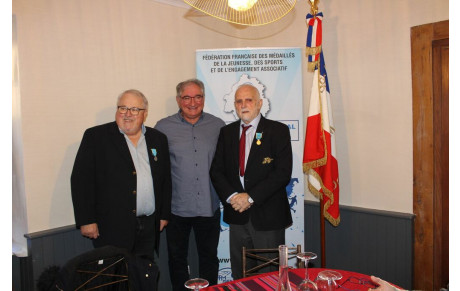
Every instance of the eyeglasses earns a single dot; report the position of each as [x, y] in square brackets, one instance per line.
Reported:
[198, 98]
[134, 110]
[360, 281]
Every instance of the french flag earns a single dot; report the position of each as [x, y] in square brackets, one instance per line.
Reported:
[319, 158]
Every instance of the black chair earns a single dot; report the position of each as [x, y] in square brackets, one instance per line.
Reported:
[265, 258]
[108, 268]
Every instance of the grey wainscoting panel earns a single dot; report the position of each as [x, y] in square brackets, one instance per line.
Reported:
[52, 247]
[57, 246]
[367, 241]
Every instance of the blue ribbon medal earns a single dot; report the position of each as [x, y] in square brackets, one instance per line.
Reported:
[154, 153]
[258, 137]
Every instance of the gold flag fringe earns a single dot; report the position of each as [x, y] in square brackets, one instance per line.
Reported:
[321, 161]
[319, 195]
[312, 66]
[313, 50]
[314, 164]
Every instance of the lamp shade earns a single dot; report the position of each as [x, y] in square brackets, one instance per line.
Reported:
[244, 12]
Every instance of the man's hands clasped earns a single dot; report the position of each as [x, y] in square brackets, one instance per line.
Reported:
[240, 202]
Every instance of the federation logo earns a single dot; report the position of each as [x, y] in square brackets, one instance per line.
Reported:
[225, 275]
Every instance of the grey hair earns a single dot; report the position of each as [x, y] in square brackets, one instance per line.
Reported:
[136, 93]
[180, 87]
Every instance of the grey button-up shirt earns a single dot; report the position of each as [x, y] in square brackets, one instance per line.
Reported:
[191, 148]
[145, 195]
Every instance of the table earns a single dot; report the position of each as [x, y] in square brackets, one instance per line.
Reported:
[269, 281]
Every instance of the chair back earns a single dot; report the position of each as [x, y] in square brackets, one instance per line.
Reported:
[108, 269]
[265, 258]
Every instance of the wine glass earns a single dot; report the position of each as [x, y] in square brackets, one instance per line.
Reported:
[307, 284]
[326, 280]
[196, 284]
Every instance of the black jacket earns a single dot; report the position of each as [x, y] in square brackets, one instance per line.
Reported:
[104, 183]
[268, 172]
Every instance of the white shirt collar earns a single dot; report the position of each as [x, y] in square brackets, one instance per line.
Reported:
[254, 122]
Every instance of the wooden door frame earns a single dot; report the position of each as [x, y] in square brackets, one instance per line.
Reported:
[441, 162]
[422, 38]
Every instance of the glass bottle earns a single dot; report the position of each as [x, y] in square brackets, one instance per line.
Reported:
[283, 282]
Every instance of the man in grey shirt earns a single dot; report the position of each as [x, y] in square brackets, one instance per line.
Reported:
[192, 138]
[121, 181]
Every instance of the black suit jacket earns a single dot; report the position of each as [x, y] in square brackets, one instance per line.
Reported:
[104, 183]
[268, 172]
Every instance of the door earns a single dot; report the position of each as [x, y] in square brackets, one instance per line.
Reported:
[430, 99]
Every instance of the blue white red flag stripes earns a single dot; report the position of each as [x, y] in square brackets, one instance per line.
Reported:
[319, 158]
[314, 39]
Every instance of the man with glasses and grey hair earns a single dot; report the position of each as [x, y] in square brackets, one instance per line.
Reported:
[121, 182]
[192, 137]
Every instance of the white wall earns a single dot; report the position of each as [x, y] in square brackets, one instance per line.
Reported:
[75, 57]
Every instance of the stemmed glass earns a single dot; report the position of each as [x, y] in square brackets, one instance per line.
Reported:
[326, 280]
[196, 284]
[307, 284]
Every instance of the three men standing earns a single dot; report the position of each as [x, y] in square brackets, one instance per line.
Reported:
[129, 181]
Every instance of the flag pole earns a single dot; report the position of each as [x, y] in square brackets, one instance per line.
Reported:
[314, 11]
[323, 233]
[319, 160]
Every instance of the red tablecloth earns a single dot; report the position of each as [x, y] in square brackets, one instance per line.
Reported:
[269, 281]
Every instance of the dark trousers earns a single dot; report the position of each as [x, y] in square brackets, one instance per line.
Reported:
[246, 235]
[207, 232]
[146, 230]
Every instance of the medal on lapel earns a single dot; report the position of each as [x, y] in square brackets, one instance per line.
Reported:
[154, 153]
[258, 137]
